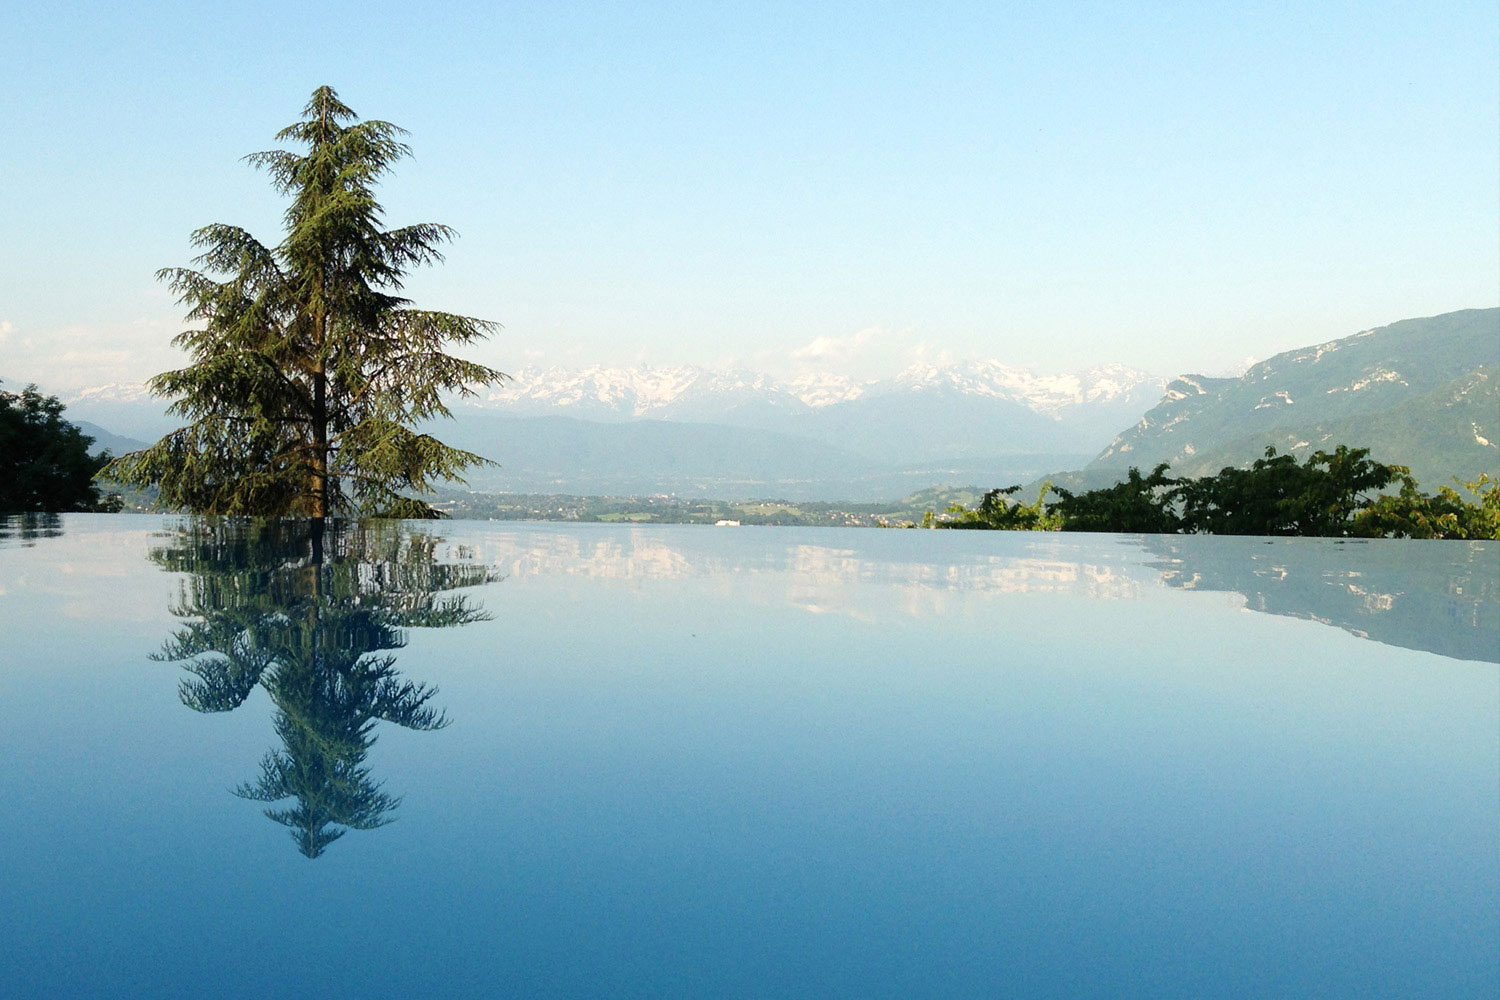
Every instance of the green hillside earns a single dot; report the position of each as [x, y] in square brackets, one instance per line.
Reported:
[1421, 392]
[1442, 434]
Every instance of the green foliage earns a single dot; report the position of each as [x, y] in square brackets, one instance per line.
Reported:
[308, 368]
[44, 460]
[309, 615]
[1445, 514]
[1279, 496]
[997, 512]
[1139, 504]
[1329, 494]
[1276, 495]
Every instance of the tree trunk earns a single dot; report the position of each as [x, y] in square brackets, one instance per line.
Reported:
[318, 502]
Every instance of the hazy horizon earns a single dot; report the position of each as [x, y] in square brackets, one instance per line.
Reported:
[834, 362]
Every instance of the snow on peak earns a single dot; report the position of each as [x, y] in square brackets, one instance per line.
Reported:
[112, 392]
[825, 389]
[1048, 394]
[624, 393]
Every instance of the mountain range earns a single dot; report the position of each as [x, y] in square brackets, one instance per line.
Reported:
[695, 393]
[977, 408]
[1420, 392]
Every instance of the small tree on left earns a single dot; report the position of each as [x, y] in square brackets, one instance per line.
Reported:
[45, 463]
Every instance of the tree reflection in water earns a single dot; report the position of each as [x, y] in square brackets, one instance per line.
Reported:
[27, 528]
[309, 612]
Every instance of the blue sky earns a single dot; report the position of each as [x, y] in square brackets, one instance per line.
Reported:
[850, 186]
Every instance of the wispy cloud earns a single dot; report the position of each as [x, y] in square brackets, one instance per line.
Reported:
[925, 352]
[836, 352]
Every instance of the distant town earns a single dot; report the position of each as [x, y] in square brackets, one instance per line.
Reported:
[908, 512]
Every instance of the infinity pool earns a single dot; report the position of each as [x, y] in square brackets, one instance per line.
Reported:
[468, 759]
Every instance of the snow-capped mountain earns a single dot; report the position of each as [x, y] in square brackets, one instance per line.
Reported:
[923, 414]
[601, 393]
[693, 393]
[1051, 395]
[112, 392]
[124, 408]
[825, 389]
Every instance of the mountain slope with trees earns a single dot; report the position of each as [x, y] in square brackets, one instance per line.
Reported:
[1421, 392]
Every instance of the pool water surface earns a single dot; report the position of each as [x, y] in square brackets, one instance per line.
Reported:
[545, 760]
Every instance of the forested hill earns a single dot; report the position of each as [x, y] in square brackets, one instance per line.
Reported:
[1421, 392]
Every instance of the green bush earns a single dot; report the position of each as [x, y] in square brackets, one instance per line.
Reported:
[1328, 494]
[997, 512]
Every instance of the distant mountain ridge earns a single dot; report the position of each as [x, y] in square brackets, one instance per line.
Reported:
[688, 391]
[1420, 392]
[107, 440]
[976, 409]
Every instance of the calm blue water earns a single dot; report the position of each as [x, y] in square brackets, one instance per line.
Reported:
[578, 761]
